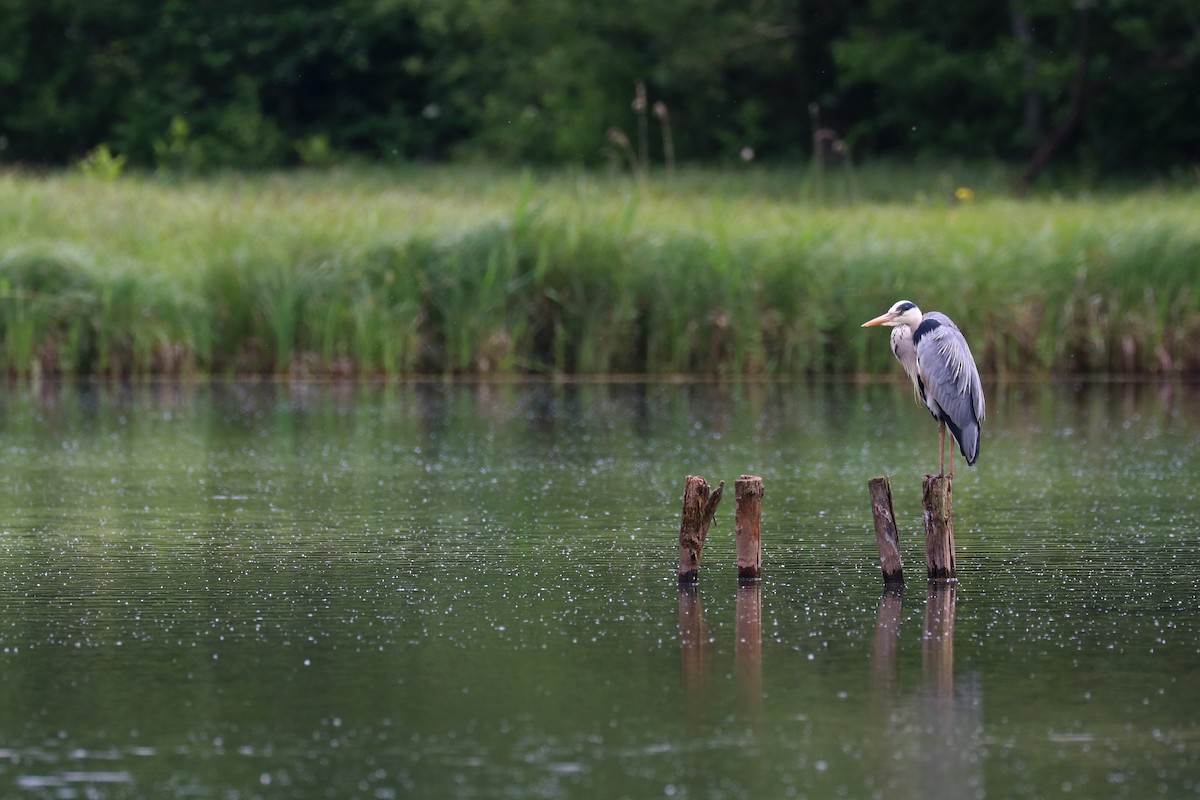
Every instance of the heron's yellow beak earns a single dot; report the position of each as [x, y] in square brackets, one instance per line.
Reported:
[882, 318]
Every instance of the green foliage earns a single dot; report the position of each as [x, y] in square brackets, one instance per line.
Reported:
[101, 164]
[264, 85]
[547, 79]
[176, 150]
[241, 137]
[449, 271]
[49, 303]
[981, 79]
[315, 151]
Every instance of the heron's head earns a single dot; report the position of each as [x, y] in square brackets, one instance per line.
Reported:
[904, 312]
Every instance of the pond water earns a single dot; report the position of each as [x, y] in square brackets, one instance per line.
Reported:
[453, 591]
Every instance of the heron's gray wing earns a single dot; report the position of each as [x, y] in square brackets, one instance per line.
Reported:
[951, 379]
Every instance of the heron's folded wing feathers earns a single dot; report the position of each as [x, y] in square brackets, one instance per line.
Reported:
[948, 370]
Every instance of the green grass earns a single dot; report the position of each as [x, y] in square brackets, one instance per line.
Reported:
[476, 270]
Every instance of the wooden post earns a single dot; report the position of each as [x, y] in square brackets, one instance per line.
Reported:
[886, 536]
[699, 507]
[939, 529]
[749, 494]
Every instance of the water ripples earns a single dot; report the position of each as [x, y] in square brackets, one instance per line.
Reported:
[440, 591]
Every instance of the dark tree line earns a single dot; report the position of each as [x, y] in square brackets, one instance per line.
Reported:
[1106, 84]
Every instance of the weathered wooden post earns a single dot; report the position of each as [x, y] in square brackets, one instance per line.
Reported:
[699, 507]
[939, 529]
[748, 491]
[886, 537]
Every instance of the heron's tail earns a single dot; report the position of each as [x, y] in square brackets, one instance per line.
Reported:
[968, 445]
[967, 437]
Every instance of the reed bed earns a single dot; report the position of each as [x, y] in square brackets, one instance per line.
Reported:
[471, 270]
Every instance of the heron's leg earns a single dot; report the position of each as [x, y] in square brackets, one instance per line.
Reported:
[952, 459]
[942, 448]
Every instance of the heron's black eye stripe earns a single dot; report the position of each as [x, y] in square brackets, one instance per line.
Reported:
[904, 307]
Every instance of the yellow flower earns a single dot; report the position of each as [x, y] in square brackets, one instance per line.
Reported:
[964, 195]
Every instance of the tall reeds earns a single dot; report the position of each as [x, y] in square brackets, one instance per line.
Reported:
[470, 272]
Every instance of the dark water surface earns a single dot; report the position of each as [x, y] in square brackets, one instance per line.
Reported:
[445, 591]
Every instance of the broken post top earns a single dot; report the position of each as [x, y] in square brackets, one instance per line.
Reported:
[700, 503]
[703, 498]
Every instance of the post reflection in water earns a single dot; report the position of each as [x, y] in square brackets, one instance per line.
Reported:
[693, 642]
[694, 646]
[944, 758]
[951, 714]
[890, 759]
[748, 651]
[887, 635]
[937, 644]
[705, 711]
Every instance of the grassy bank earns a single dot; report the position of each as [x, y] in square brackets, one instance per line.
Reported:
[460, 270]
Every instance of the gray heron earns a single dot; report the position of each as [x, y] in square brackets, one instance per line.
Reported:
[936, 357]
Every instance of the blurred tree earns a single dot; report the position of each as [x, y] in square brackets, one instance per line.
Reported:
[64, 69]
[256, 80]
[1116, 80]
[1133, 98]
[262, 83]
[250, 79]
[543, 80]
